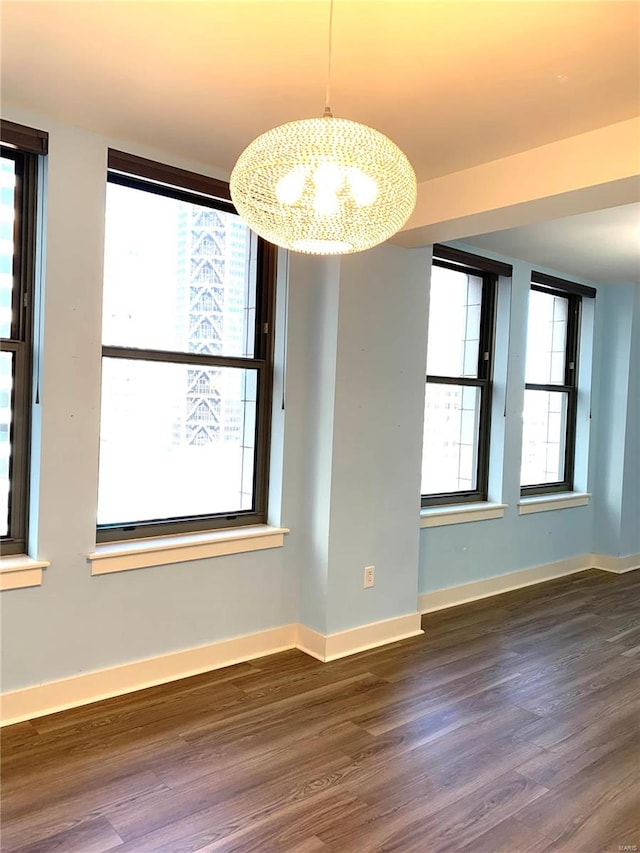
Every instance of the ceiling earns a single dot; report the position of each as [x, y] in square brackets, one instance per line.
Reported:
[455, 83]
[603, 245]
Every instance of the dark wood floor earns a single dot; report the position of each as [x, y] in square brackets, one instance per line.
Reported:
[511, 725]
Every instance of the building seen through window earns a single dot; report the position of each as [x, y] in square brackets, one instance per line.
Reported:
[458, 391]
[551, 390]
[182, 375]
[21, 152]
[7, 218]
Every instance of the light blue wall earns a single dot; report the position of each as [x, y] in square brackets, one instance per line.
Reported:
[462, 553]
[379, 404]
[310, 388]
[617, 520]
[616, 307]
[359, 484]
[630, 525]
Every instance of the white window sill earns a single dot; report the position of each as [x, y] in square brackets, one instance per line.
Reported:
[21, 571]
[162, 550]
[544, 503]
[438, 516]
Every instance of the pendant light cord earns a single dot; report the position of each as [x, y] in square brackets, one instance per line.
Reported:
[327, 108]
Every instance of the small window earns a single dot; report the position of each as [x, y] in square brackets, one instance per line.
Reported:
[457, 411]
[551, 385]
[20, 152]
[173, 363]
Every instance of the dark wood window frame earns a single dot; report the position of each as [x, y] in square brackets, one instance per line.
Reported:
[488, 270]
[574, 294]
[23, 145]
[149, 176]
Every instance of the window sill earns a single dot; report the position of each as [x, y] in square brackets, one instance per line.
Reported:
[544, 503]
[438, 516]
[20, 571]
[162, 550]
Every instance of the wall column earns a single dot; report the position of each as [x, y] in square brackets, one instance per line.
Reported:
[364, 318]
[617, 491]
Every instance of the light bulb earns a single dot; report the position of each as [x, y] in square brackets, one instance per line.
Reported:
[328, 177]
[363, 188]
[290, 187]
[325, 203]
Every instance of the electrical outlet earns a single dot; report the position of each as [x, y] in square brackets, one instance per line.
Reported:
[369, 576]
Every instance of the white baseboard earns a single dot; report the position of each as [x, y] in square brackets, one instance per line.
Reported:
[475, 590]
[454, 595]
[31, 702]
[328, 647]
[618, 565]
[311, 642]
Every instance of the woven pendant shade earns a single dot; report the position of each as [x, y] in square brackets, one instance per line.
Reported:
[325, 186]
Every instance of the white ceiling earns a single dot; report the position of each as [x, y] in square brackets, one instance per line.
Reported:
[603, 245]
[455, 83]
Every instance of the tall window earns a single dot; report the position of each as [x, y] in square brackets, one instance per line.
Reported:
[186, 374]
[455, 459]
[19, 157]
[551, 390]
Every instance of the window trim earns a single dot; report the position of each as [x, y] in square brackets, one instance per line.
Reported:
[560, 284]
[24, 138]
[449, 258]
[574, 294]
[466, 259]
[121, 556]
[21, 341]
[169, 181]
[161, 173]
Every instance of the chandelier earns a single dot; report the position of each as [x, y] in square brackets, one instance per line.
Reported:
[324, 186]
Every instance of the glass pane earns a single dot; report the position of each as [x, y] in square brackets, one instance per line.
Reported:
[7, 214]
[451, 423]
[546, 338]
[544, 437]
[454, 323]
[177, 276]
[6, 383]
[175, 440]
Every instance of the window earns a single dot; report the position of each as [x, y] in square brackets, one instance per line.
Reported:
[19, 158]
[551, 389]
[176, 361]
[457, 414]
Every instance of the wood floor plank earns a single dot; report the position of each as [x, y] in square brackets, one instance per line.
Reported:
[614, 826]
[551, 767]
[237, 810]
[590, 792]
[544, 696]
[512, 724]
[464, 821]
[92, 836]
[443, 782]
[146, 721]
[227, 797]
[291, 830]
[404, 709]
[98, 711]
[13, 737]
[34, 815]
[420, 826]
[508, 836]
